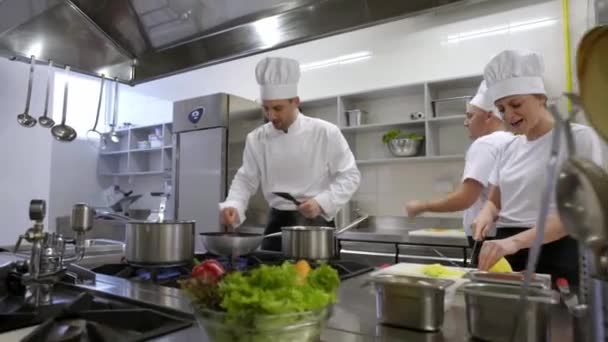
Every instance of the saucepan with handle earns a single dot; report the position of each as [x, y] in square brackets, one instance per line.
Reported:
[313, 243]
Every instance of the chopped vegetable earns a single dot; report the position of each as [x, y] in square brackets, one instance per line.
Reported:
[396, 134]
[202, 291]
[440, 271]
[274, 290]
[259, 304]
[303, 268]
[502, 266]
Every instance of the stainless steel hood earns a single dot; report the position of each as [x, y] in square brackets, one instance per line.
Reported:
[141, 40]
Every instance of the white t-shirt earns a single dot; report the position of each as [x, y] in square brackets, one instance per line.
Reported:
[521, 172]
[479, 163]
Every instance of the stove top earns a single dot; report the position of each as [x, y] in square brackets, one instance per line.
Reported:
[169, 276]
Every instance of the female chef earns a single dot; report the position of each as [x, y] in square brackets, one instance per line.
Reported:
[515, 85]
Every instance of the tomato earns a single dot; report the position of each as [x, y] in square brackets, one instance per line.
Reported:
[208, 269]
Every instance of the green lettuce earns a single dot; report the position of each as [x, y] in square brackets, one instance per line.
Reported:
[273, 290]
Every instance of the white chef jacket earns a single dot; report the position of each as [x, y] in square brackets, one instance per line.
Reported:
[522, 169]
[311, 160]
[479, 162]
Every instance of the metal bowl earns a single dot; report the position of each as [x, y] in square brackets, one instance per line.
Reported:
[404, 147]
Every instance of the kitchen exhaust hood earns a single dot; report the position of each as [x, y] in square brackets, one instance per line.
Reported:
[141, 40]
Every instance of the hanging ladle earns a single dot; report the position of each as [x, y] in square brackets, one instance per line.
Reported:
[25, 119]
[113, 135]
[64, 132]
[44, 120]
[93, 135]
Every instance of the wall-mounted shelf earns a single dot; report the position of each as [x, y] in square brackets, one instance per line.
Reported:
[379, 126]
[443, 103]
[124, 158]
[449, 118]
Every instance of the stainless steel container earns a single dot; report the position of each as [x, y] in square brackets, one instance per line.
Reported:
[307, 242]
[410, 302]
[404, 147]
[541, 281]
[355, 117]
[311, 242]
[492, 310]
[163, 244]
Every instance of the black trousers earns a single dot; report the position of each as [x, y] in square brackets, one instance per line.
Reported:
[286, 218]
[558, 258]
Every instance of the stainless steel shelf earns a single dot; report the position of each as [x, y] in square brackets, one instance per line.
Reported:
[372, 127]
[448, 118]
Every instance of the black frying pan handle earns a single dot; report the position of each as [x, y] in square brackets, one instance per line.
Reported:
[288, 197]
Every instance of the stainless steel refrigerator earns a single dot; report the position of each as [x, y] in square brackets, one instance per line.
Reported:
[208, 139]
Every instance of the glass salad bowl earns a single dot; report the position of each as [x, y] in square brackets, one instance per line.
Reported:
[303, 326]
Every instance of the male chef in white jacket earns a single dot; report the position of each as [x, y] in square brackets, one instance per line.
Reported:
[486, 128]
[305, 157]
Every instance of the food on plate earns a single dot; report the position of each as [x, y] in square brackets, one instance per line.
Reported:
[257, 305]
[440, 271]
[501, 266]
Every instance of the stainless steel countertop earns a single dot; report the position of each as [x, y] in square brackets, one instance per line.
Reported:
[402, 238]
[353, 319]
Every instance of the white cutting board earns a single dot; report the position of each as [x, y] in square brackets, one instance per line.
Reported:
[413, 269]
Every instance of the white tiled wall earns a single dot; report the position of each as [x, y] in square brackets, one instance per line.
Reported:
[385, 188]
[26, 152]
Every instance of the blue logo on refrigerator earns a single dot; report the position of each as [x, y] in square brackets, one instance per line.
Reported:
[196, 115]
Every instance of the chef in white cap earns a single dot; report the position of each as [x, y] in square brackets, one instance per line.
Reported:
[486, 128]
[305, 157]
[516, 87]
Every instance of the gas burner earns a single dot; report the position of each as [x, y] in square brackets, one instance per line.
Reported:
[346, 269]
[169, 276]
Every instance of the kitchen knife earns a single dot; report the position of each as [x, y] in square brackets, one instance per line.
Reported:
[287, 197]
[475, 244]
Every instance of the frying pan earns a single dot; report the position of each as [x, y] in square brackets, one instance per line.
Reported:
[233, 244]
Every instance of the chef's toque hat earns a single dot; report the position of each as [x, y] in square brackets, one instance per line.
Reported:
[278, 78]
[514, 72]
[480, 100]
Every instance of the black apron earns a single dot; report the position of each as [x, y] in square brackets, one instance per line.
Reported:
[558, 258]
[285, 218]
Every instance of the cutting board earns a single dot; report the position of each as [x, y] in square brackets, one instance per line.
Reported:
[415, 270]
